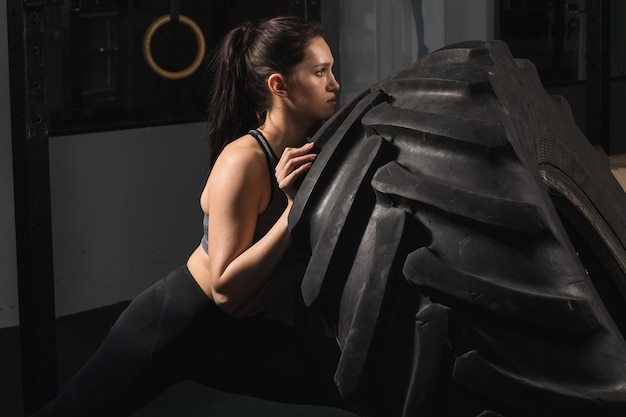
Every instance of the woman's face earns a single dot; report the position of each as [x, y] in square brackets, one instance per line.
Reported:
[312, 86]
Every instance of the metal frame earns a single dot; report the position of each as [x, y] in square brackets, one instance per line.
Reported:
[33, 225]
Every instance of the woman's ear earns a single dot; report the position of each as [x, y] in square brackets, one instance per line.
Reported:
[277, 85]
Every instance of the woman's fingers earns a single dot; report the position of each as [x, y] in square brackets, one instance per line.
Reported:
[292, 164]
[293, 158]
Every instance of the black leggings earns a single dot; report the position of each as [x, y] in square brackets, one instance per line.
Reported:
[173, 332]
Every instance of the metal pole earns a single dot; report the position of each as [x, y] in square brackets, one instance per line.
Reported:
[29, 127]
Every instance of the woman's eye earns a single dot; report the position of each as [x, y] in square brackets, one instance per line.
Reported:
[319, 73]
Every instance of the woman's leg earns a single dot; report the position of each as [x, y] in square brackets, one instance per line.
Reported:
[280, 363]
[270, 360]
[172, 332]
[254, 356]
[121, 376]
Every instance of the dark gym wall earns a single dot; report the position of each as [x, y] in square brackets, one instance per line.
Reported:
[124, 207]
[125, 210]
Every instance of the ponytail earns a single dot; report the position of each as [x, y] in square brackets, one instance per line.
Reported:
[229, 106]
[240, 67]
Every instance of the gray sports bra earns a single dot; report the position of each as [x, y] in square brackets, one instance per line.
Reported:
[277, 203]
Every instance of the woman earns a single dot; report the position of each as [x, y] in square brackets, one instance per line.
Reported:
[202, 322]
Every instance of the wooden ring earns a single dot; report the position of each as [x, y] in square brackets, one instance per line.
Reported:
[147, 53]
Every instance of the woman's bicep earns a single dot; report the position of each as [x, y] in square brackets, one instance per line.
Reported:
[233, 210]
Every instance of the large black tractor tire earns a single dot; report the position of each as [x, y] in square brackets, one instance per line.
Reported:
[467, 244]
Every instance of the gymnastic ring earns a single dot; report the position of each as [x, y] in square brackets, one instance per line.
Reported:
[147, 53]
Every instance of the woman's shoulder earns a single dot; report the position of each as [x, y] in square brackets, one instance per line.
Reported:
[241, 152]
[242, 158]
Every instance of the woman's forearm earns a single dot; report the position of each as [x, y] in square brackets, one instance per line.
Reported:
[249, 272]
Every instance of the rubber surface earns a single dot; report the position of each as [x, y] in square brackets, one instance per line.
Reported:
[467, 245]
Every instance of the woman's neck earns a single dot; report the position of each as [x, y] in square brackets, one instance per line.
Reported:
[282, 132]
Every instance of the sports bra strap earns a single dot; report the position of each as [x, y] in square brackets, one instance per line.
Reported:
[272, 160]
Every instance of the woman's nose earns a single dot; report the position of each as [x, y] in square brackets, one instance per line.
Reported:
[334, 85]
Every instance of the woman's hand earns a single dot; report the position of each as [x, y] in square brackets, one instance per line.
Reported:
[293, 163]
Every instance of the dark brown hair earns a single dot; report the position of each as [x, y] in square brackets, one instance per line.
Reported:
[240, 67]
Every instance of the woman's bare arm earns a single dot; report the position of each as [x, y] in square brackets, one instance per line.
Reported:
[238, 190]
